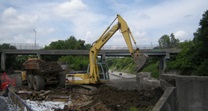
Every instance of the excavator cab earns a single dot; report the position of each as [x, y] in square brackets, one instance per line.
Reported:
[103, 71]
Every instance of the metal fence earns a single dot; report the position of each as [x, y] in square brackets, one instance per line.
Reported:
[18, 102]
[119, 47]
[26, 45]
[33, 46]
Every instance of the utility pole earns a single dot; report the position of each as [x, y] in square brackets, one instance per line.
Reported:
[35, 37]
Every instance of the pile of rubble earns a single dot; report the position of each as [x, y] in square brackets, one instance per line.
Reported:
[44, 95]
[107, 98]
[5, 104]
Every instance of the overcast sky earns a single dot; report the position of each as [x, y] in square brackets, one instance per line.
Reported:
[87, 19]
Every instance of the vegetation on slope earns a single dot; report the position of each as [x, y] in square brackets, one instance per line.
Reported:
[193, 59]
[126, 64]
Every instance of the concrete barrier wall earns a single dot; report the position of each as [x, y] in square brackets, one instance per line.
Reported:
[125, 84]
[192, 93]
[168, 101]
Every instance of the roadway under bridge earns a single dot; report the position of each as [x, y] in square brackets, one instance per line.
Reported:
[162, 53]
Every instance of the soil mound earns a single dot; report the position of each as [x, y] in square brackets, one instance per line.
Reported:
[111, 99]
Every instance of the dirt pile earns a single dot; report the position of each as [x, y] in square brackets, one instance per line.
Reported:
[111, 99]
[41, 65]
[50, 66]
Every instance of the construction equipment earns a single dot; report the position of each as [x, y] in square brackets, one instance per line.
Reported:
[6, 81]
[38, 73]
[96, 72]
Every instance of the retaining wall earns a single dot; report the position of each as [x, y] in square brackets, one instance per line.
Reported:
[192, 93]
[168, 101]
[125, 84]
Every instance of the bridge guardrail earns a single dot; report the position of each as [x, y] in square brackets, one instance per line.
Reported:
[118, 47]
[32, 46]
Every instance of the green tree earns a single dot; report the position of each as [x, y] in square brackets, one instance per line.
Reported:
[164, 41]
[7, 46]
[74, 62]
[200, 50]
[20, 59]
[173, 41]
[193, 57]
[56, 45]
[70, 43]
[167, 41]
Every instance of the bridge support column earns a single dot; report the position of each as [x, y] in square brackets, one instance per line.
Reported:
[3, 60]
[162, 63]
[103, 57]
[39, 56]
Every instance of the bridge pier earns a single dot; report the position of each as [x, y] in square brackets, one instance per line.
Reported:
[103, 57]
[3, 61]
[162, 63]
[38, 55]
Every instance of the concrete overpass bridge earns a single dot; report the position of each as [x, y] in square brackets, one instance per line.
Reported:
[162, 53]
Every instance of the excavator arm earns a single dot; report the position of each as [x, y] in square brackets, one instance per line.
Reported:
[108, 33]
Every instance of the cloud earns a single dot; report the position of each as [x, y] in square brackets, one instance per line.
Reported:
[86, 22]
[14, 26]
[44, 31]
[165, 17]
[13, 20]
[69, 9]
[57, 20]
[181, 35]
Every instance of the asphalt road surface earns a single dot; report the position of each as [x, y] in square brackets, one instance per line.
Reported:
[120, 75]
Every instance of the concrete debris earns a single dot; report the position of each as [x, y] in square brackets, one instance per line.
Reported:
[145, 81]
[46, 105]
[5, 104]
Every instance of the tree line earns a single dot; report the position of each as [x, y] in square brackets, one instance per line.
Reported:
[167, 41]
[193, 59]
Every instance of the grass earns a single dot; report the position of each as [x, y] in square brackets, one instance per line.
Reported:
[153, 68]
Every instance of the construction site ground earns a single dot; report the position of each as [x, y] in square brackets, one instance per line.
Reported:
[104, 98]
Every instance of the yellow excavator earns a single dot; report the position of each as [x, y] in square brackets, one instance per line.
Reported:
[97, 72]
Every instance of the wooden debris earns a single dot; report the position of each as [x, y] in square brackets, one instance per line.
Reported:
[43, 95]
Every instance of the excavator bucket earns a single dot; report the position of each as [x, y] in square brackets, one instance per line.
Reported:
[140, 61]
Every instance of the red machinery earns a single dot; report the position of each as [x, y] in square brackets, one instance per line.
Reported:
[5, 81]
